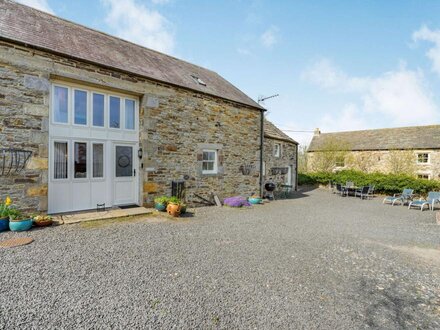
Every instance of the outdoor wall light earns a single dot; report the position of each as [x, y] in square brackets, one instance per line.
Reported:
[140, 153]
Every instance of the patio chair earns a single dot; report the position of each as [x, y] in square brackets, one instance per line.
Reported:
[405, 196]
[433, 197]
[362, 192]
[341, 190]
[371, 191]
[349, 184]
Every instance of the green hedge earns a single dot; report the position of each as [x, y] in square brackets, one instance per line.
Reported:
[384, 183]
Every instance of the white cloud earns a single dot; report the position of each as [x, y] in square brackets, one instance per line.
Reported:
[395, 98]
[160, 2]
[133, 21]
[38, 4]
[432, 36]
[270, 37]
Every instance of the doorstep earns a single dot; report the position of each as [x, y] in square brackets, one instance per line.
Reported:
[101, 215]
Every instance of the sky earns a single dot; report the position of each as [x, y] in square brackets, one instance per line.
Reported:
[336, 65]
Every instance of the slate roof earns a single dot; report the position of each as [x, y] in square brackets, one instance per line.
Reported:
[415, 137]
[26, 25]
[273, 132]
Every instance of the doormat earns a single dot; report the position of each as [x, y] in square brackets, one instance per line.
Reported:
[130, 206]
[14, 242]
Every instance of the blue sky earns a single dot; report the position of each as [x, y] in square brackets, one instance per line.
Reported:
[337, 65]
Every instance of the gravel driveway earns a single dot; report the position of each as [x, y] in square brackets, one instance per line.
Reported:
[318, 261]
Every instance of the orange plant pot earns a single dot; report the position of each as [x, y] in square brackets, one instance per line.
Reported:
[173, 209]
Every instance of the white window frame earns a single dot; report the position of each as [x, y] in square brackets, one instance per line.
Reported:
[428, 161]
[121, 112]
[87, 106]
[86, 178]
[97, 178]
[69, 148]
[125, 113]
[69, 104]
[215, 167]
[425, 174]
[277, 150]
[92, 109]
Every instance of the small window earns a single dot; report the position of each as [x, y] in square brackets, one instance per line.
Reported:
[80, 107]
[129, 114]
[124, 161]
[198, 80]
[423, 158]
[98, 160]
[98, 110]
[115, 112]
[423, 176]
[80, 156]
[209, 162]
[277, 150]
[60, 160]
[60, 105]
[340, 161]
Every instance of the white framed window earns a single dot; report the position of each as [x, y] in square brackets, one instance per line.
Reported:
[80, 160]
[424, 176]
[277, 150]
[209, 162]
[60, 104]
[98, 110]
[60, 160]
[97, 160]
[130, 114]
[114, 112]
[80, 107]
[423, 158]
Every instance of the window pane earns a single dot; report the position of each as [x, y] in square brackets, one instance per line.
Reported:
[60, 160]
[98, 160]
[80, 107]
[80, 166]
[124, 161]
[98, 110]
[115, 112]
[60, 104]
[129, 114]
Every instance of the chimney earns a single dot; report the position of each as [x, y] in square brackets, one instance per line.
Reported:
[316, 132]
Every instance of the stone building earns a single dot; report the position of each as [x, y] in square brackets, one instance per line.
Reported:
[108, 121]
[413, 150]
[280, 157]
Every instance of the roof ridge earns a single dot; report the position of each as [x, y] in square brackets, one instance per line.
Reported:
[382, 129]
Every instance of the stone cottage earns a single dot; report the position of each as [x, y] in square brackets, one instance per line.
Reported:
[110, 122]
[280, 157]
[413, 150]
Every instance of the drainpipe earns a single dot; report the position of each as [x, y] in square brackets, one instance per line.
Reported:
[261, 150]
[296, 169]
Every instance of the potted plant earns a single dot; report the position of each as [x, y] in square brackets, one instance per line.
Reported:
[4, 213]
[255, 199]
[42, 220]
[173, 207]
[19, 221]
[183, 205]
[160, 203]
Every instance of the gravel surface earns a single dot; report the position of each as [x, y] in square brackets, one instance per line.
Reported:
[318, 261]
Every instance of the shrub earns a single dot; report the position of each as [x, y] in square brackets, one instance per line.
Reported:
[236, 201]
[161, 200]
[174, 200]
[384, 183]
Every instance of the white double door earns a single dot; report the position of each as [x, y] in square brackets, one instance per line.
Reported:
[85, 174]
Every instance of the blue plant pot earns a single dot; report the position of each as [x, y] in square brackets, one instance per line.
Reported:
[21, 225]
[255, 200]
[160, 207]
[4, 224]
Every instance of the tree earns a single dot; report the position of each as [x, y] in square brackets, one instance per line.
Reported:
[302, 159]
[401, 162]
[361, 161]
[332, 154]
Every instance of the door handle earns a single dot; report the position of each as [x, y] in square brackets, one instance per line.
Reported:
[134, 172]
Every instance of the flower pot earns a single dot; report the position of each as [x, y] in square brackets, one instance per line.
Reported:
[255, 200]
[160, 207]
[20, 225]
[43, 223]
[183, 208]
[173, 209]
[4, 224]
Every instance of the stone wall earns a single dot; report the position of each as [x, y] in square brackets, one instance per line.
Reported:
[287, 158]
[379, 161]
[175, 125]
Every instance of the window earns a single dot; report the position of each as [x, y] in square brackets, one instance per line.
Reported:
[209, 162]
[423, 158]
[340, 161]
[98, 110]
[115, 112]
[277, 150]
[423, 176]
[198, 80]
[98, 160]
[60, 105]
[80, 107]
[80, 165]
[60, 160]
[129, 114]
[124, 161]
